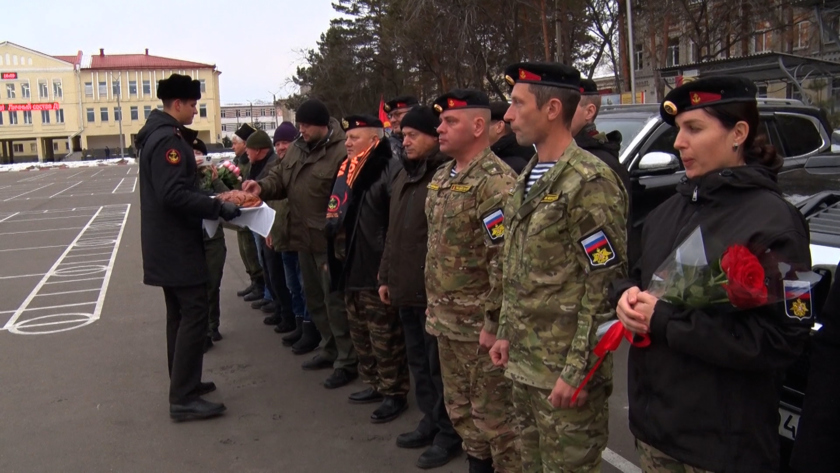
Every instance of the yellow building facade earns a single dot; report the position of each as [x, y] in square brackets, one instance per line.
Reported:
[52, 107]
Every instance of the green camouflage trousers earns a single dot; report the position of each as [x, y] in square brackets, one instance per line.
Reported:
[477, 399]
[654, 461]
[377, 335]
[560, 440]
[248, 253]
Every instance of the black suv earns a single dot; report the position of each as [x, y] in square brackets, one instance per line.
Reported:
[796, 130]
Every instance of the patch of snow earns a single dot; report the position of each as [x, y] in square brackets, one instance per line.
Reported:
[65, 164]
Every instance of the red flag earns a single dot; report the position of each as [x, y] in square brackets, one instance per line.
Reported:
[383, 117]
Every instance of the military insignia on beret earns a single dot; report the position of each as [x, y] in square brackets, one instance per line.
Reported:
[345, 124]
[599, 251]
[698, 98]
[438, 108]
[510, 80]
[525, 75]
[360, 123]
[386, 107]
[798, 300]
[494, 223]
[173, 156]
[401, 105]
[669, 107]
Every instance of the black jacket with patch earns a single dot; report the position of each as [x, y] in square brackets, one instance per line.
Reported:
[171, 205]
[512, 153]
[705, 390]
[366, 223]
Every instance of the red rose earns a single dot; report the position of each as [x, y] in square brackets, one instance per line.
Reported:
[745, 285]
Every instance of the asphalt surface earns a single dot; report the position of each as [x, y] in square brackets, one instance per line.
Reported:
[83, 376]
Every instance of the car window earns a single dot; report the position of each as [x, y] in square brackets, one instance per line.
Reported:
[799, 135]
[628, 127]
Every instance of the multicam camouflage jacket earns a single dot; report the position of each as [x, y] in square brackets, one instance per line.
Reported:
[565, 243]
[466, 235]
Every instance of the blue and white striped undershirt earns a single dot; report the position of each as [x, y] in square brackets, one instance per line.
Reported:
[536, 174]
[453, 173]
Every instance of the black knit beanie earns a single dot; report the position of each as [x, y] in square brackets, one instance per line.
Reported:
[422, 119]
[313, 112]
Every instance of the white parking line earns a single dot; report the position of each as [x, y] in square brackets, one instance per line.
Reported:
[621, 463]
[97, 172]
[73, 280]
[118, 186]
[33, 248]
[48, 218]
[23, 306]
[59, 192]
[27, 192]
[21, 276]
[134, 187]
[67, 292]
[40, 231]
[10, 216]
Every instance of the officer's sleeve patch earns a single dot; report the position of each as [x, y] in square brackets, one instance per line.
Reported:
[173, 156]
[599, 250]
[798, 300]
[494, 223]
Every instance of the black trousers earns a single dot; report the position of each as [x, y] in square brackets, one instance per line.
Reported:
[275, 280]
[186, 329]
[424, 363]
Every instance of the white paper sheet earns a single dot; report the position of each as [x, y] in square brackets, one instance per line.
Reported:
[258, 219]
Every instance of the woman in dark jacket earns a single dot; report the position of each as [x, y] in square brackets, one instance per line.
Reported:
[703, 394]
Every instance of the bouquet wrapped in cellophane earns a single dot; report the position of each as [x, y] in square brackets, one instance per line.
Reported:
[228, 172]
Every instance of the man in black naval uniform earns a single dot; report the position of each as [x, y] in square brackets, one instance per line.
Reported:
[171, 210]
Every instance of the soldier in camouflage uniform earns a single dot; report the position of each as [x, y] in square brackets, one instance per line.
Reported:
[655, 461]
[463, 280]
[566, 241]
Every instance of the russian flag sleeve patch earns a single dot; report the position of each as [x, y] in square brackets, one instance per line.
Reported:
[494, 223]
[599, 250]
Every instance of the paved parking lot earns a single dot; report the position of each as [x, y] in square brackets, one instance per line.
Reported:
[83, 379]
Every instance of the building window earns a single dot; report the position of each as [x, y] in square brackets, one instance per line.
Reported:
[762, 91]
[116, 87]
[27, 117]
[10, 91]
[135, 114]
[673, 58]
[132, 87]
[91, 117]
[24, 91]
[203, 85]
[45, 116]
[43, 91]
[202, 111]
[146, 111]
[801, 35]
[763, 38]
[1, 118]
[55, 145]
[237, 113]
[103, 114]
[117, 114]
[247, 113]
[13, 118]
[58, 92]
[693, 52]
[103, 89]
[17, 147]
[639, 57]
[147, 87]
[59, 116]
[33, 148]
[88, 89]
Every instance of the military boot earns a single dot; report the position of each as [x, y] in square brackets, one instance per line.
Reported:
[292, 337]
[309, 341]
[480, 466]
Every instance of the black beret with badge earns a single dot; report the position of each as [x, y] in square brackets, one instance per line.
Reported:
[706, 92]
[360, 121]
[199, 145]
[588, 87]
[458, 99]
[180, 87]
[551, 74]
[403, 101]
